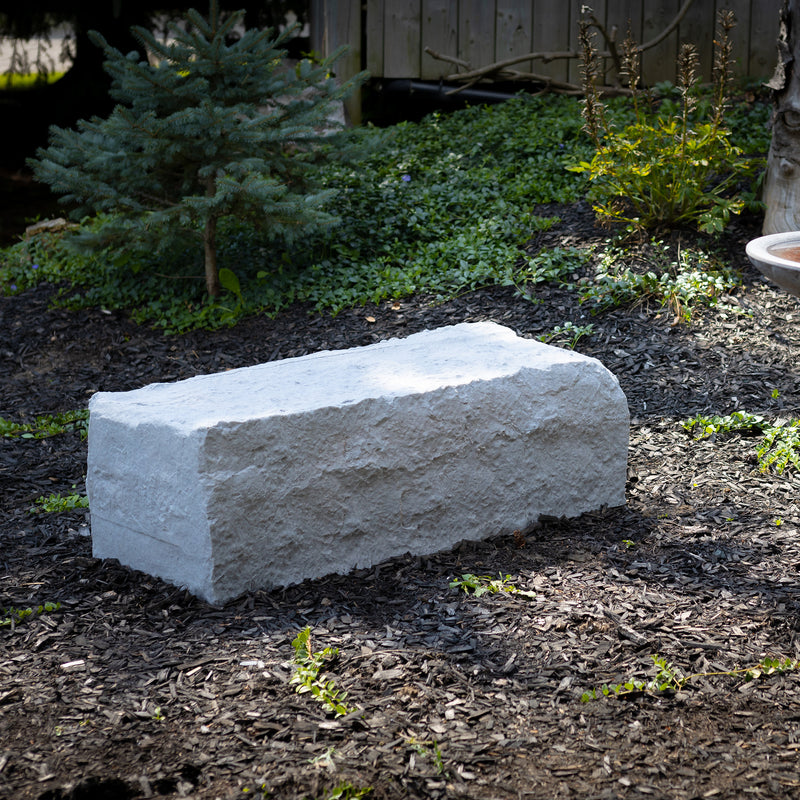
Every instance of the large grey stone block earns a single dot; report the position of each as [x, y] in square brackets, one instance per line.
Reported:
[264, 476]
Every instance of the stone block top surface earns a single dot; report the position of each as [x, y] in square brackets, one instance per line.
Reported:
[424, 362]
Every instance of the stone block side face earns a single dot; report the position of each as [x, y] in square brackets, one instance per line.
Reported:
[305, 495]
[147, 508]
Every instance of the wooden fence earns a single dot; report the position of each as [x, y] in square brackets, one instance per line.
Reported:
[390, 37]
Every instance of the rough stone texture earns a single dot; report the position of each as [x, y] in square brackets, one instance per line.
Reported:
[268, 475]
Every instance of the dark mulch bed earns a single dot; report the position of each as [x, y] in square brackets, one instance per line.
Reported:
[135, 689]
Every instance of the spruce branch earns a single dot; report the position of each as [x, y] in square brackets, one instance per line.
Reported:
[218, 127]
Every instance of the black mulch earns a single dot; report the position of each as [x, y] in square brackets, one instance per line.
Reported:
[134, 689]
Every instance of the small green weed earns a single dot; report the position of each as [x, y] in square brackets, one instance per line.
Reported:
[702, 427]
[57, 503]
[429, 750]
[47, 425]
[11, 617]
[569, 333]
[690, 280]
[308, 665]
[779, 447]
[670, 679]
[347, 791]
[342, 791]
[478, 585]
[325, 760]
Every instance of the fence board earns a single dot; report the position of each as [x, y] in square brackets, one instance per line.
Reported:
[623, 17]
[402, 34]
[440, 33]
[484, 31]
[373, 27]
[658, 63]
[763, 26]
[625, 14]
[334, 25]
[551, 32]
[698, 28]
[514, 32]
[740, 38]
[476, 27]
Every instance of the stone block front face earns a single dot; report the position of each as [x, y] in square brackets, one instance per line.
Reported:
[264, 476]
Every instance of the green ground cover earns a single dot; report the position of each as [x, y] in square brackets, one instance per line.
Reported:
[438, 208]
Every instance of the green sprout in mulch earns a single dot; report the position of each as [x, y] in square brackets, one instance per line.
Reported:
[342, 791]
[347, 791]
[779, 447]
[57, 503]
[46, 425]
[669, 679]
[569, 333]
[429, 749]
[478, 585]
[11, 617]
[307, 668]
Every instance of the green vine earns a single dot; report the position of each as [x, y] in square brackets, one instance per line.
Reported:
[308, 665]
[780, 447]
[670, 679]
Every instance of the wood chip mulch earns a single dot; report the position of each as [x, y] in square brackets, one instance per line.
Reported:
[135, 689]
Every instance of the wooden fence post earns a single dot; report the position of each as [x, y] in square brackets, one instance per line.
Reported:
[334, 23]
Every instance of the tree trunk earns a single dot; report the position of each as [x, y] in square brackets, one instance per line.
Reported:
[210, 243]
[210, 248]
[782, 183]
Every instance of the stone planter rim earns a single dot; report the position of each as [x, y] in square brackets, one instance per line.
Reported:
[760, 247]
[782, 271]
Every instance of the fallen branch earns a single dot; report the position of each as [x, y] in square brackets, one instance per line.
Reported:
[500, 70]
[518, 76]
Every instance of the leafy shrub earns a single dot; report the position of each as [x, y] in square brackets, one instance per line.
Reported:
[437, 207]
[669, 166]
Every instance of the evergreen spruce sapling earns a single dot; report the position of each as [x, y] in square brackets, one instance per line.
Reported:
[219, 126]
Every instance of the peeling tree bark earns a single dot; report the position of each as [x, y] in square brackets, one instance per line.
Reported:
[782, 183]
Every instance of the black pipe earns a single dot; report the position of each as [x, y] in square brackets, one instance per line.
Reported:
[441, 90]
